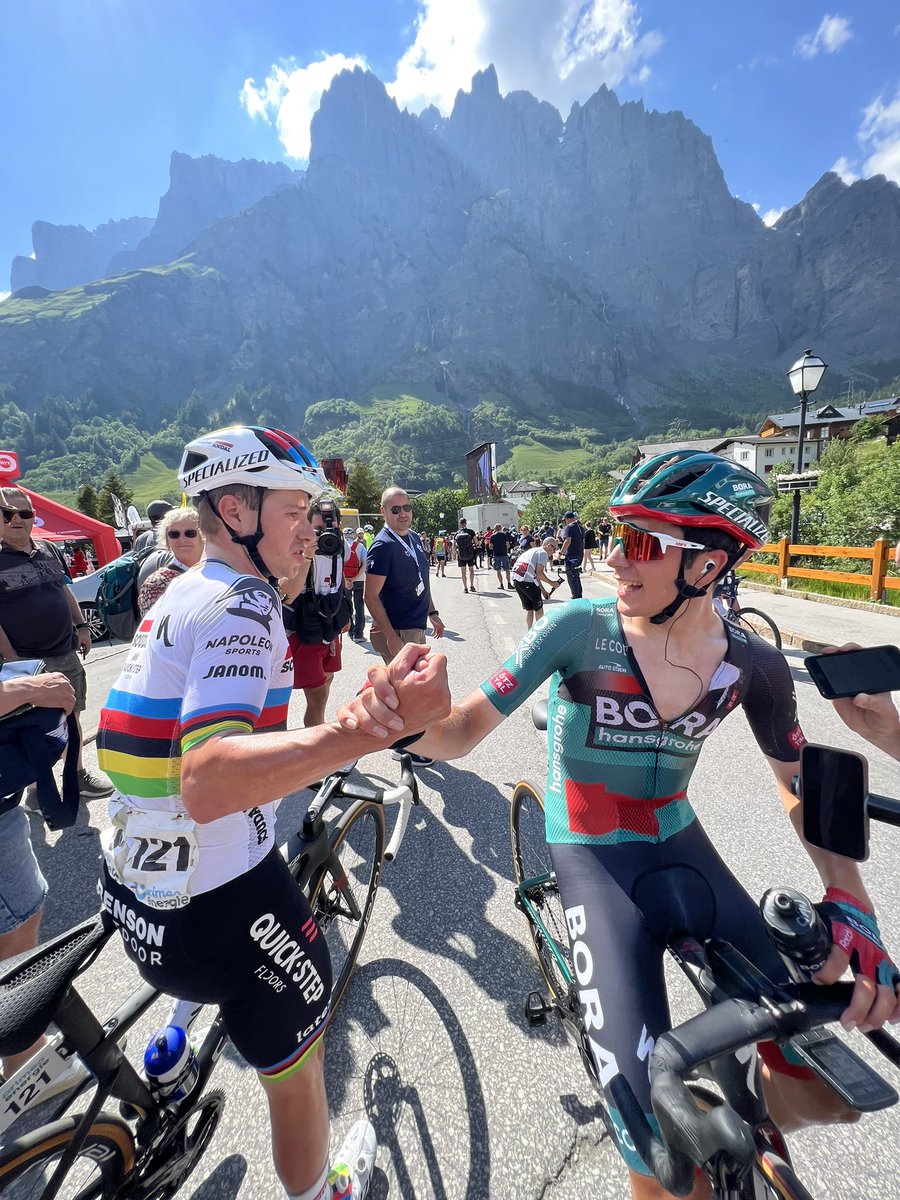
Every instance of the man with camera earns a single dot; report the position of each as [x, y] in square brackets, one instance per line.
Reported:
[317, 610]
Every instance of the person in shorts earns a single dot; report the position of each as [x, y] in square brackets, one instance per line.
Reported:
[38, 612]
[316, 664]
[638, 682]
[192, 735]
[500, 542]
[23, 887]
[529, 577]
[439, 549]
[465, 554]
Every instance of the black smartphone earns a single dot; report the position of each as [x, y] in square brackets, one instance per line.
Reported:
[834, 788]
[873, 669]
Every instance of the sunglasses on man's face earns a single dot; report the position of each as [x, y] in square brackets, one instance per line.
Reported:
[176, 533]
[25, 513]
[396, 509]
[644, 545]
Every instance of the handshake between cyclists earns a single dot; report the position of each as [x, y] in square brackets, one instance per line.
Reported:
[637, 683]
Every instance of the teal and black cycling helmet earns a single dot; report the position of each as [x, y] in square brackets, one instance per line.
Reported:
[697, 491]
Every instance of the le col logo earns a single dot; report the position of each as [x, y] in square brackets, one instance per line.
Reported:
[248, 599]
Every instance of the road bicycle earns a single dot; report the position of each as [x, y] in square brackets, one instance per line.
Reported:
[148, 1148]
[726, 600]
[725, 1132]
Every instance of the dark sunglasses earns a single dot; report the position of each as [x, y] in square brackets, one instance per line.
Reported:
[175, 533]
[25, 513]
[643, 545]
[399, 508]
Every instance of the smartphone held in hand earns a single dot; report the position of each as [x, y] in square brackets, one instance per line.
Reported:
[873, 669]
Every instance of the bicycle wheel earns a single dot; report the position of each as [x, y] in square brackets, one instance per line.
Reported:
[531, 860]
[101, 1164]
[342, 904]
[759, 623]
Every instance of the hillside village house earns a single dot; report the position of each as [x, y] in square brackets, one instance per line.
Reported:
[776, 441]
[520, 491]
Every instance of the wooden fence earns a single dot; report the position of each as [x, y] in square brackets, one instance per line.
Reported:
[879, 556]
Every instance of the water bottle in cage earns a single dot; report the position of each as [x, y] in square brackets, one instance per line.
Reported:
[170, 1064]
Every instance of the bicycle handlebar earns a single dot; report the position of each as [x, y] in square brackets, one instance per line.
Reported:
[883, 808]
[690, 1135]
[406, 794]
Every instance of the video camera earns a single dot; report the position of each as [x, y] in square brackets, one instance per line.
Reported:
[329, 541]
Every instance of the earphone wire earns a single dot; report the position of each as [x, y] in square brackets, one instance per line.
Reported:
[682, 666]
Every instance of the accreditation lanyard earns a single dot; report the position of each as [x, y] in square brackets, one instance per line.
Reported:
[420, 588]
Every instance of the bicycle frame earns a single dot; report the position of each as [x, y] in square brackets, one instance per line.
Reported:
[98, 1047]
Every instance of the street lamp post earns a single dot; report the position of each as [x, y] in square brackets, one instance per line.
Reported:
[805, 376]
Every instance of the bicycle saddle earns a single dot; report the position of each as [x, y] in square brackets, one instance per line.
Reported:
[33, 984]
[539, 714]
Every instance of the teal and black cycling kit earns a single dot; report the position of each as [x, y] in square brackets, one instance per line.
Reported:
[633, 864]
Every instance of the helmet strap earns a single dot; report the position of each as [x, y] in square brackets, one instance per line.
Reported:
[250, 541]
[687, 591]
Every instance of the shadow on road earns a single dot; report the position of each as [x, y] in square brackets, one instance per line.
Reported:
[71, 865]
[225, 1181]
[443, 895]
[398, 1053]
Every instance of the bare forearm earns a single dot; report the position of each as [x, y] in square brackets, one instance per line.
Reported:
[232, 774]
[467, 725]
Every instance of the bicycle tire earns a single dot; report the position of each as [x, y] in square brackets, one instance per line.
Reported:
[358, 841]
[531, 858]
[108, 1150]
[759, 623]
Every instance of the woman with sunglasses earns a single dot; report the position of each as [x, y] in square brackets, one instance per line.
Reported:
[638, 682]
[178, 535]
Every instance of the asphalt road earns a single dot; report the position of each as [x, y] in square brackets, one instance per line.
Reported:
[473, 1103]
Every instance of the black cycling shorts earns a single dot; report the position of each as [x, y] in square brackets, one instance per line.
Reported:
[530, 594]
[623, 903]
[251, 947]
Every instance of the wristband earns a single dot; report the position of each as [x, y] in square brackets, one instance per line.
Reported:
[81, 625]
[433, 612]
[404, 742]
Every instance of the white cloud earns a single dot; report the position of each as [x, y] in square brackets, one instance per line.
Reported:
[755, 206]
[770, 217]
[559, 50]
[832, 33]
[879, 135]
[290, 96]
[844, 168]
[4, 296]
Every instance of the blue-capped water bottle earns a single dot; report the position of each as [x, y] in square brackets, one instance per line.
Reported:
[170, 1064]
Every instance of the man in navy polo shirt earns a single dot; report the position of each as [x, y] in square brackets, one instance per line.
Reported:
[398, 591]
[572, 551]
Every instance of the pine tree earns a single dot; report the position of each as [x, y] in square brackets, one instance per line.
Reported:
[112, 486]
[363, 489]
[87, 501]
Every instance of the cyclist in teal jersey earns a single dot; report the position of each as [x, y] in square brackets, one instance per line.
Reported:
[638, 683]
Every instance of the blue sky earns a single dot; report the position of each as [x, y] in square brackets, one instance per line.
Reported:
[99, 92]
